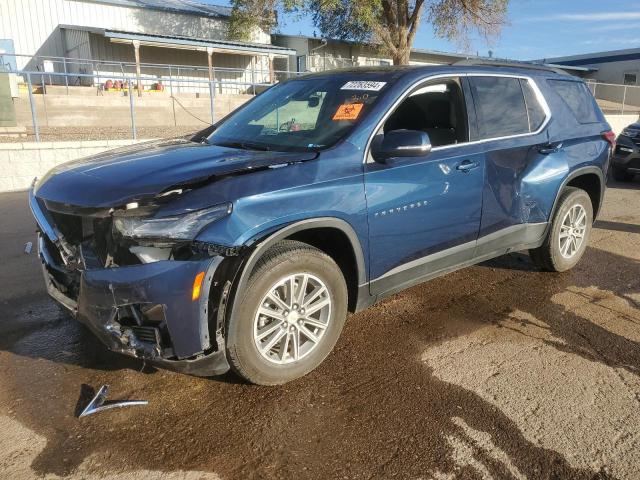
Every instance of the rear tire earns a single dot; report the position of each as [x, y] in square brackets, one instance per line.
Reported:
[271, 338]
[621, 175]
[569, 233]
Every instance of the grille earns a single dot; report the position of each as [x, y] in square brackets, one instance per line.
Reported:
[92, 229]
[147, 334]
[69, 225]
[624, 150]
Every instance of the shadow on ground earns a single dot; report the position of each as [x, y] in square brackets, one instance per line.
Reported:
[370, 411]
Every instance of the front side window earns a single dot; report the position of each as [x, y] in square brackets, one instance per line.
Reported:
[501, 109]
[300, 115]
[436, 108]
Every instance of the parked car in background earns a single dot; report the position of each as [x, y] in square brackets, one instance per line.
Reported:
[246, 246]
[625, 163]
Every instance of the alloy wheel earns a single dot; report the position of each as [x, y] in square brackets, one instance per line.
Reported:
[292, 318]
[572, 231]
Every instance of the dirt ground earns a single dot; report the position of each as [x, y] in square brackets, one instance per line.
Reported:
[59, 134]
[496, 371]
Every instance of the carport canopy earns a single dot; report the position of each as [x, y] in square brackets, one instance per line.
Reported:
[209, 46]
[189, 43]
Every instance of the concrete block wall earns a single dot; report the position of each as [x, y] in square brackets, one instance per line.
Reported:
[620, 122]
[20, 163]
[114, 110]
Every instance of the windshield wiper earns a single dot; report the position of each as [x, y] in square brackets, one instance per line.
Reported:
[243, 146]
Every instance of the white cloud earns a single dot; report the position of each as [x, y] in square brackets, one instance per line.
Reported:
[615, 27]
[613, 41]
[588, 17]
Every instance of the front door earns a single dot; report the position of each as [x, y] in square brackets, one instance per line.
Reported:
[424, 212]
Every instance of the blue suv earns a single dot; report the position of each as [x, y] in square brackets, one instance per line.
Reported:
[245, 246]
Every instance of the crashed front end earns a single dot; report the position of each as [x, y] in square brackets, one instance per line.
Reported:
[139, 286]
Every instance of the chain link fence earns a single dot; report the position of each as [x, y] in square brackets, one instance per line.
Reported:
[61, 98]
[321, 62]
[107, 100]
[615, 99]
[87, 100]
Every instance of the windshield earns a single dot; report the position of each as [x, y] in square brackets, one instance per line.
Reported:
[299, 115]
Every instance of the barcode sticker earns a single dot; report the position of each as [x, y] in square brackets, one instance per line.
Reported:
[363, 85]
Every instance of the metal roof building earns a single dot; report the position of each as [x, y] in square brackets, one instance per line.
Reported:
[111, 38]
[175, 6]
[613, 66]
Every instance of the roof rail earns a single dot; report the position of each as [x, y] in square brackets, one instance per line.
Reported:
[508, 63]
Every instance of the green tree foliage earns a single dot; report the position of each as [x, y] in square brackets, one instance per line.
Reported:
[246, 15]
[342, 19]
[390, 24]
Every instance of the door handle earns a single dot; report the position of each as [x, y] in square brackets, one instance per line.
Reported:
[550, 148]
[467, 165]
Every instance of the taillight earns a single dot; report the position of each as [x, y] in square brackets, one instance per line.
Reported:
[610, 137]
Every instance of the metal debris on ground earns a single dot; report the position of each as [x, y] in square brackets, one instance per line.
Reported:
[97, 404]
[27, 247]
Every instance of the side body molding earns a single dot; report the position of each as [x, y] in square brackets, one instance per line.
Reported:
[265, 242]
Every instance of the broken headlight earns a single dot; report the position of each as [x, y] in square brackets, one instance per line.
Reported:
[179, 227]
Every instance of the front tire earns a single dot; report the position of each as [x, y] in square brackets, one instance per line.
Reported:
[569, 233]
[290, 315]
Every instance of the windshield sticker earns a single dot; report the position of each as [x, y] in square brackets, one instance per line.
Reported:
[363, 85]
[348, 111]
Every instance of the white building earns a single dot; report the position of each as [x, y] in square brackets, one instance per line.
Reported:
[614, 77]
[316, 54]
[110, 38]
[616, 66]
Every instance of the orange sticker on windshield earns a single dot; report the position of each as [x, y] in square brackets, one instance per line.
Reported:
[348, 111]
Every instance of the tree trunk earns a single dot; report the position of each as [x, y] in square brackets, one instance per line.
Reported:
[397, 28]
[401, 56]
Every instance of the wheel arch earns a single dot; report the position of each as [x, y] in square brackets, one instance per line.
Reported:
[321, 233]
[591, 180]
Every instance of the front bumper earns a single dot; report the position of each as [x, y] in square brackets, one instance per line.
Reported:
[112, 303]
[627, 155]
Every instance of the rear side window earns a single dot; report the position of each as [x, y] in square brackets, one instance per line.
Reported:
[500, 106]
[578, 98]
[534, 109]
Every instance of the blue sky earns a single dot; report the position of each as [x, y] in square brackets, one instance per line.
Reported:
[537, 29]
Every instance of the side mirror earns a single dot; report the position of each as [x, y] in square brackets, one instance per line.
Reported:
[400, 143]
[313, 101]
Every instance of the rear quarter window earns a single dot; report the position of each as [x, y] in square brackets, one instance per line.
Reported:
[578, 98]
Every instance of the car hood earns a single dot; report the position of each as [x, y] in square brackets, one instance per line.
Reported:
[144, 170]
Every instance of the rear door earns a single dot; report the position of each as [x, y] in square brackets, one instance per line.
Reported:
[511, 116]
